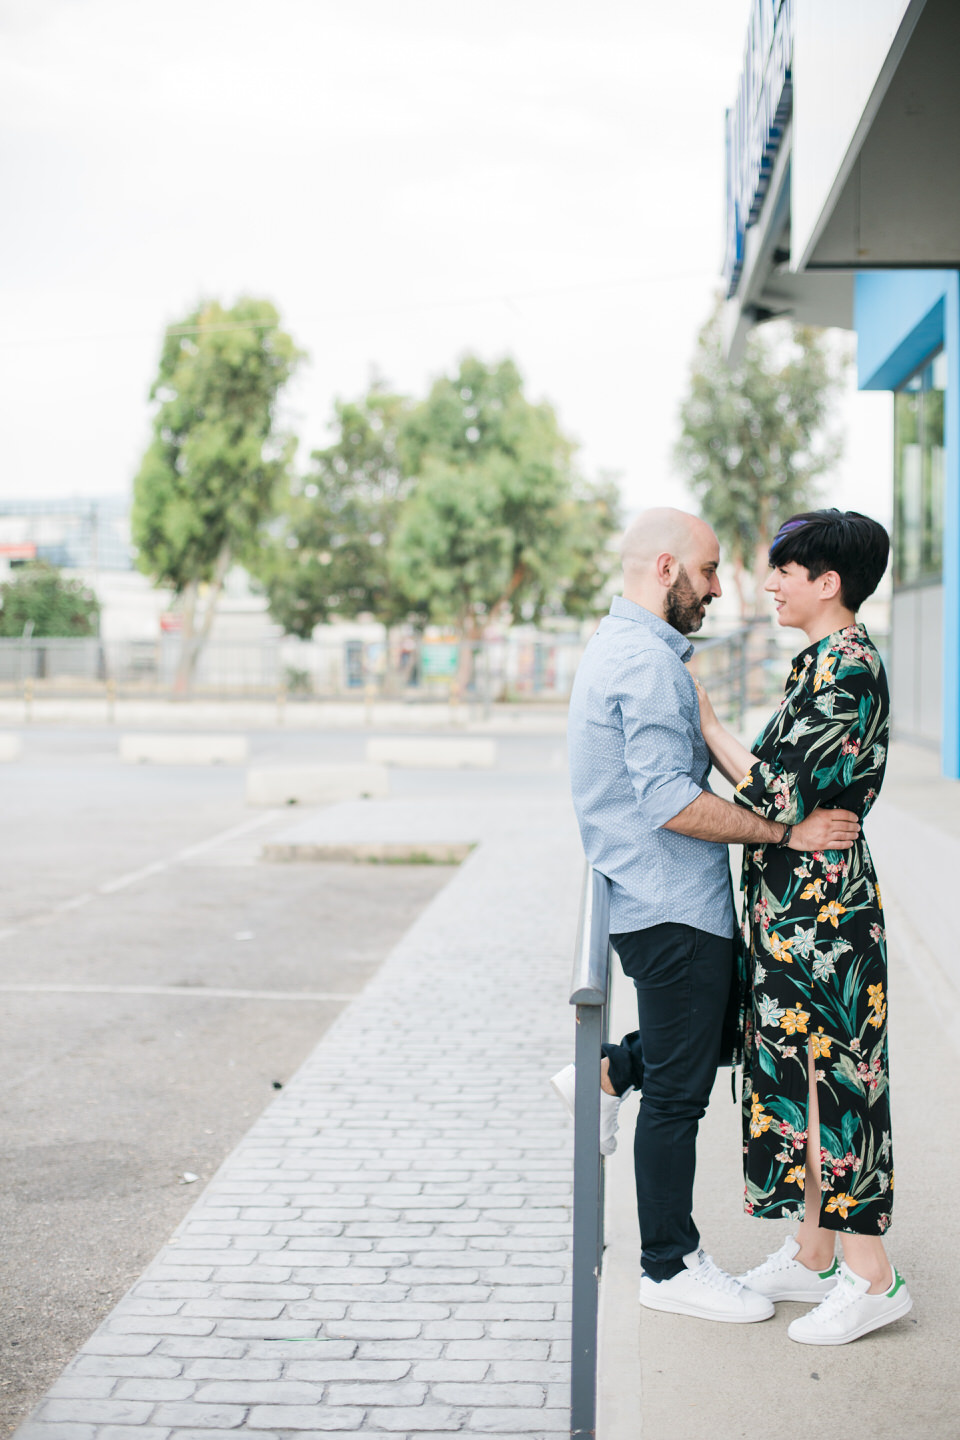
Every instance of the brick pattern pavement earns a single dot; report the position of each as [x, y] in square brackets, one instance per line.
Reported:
[387, 1252]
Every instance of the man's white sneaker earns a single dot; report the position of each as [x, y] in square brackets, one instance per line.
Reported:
[782, 1277]
[849, 1312]
[565, 1084]
[704, 1290]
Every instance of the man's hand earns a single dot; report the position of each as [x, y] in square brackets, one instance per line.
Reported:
[825, 830]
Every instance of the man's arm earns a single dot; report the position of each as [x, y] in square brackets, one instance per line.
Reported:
[710, 818]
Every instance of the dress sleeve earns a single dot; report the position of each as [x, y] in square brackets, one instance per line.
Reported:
[659, 737]
[808, 758]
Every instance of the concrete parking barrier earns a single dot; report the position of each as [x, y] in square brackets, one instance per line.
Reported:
[10, 747]
[374, 852]
[314, 784]
[179, 749]
[433, 753]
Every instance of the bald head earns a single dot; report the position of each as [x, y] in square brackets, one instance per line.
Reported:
[658, 531]
[662, 548]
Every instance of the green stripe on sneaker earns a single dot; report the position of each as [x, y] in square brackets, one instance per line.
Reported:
[897, 1282]
[825, 1274]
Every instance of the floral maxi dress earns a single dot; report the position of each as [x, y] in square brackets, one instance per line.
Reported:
[816, 949]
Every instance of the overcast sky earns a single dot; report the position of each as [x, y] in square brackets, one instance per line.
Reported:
[406, 179]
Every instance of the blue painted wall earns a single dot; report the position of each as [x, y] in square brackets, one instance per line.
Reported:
[900, 317]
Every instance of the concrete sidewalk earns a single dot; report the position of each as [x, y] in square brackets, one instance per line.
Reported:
[387, 1252]
[665, 1377]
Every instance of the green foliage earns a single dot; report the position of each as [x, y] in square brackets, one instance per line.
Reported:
[498, 519]
[211, 473]
[449, 510]
[328, 554]
[208, 479]
[755, 438]
[55, 606]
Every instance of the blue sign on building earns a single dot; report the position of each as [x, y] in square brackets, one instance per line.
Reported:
[755, 124]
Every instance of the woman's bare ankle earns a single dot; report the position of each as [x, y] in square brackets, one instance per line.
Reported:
[814, 1253]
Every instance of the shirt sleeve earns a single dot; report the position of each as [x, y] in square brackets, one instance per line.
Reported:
[658, 735]
[812, 760]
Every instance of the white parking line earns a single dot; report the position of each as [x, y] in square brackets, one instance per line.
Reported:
[156, 867]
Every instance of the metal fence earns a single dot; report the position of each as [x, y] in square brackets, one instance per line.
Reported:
[517, 667]
[521, 665]
[590, 994]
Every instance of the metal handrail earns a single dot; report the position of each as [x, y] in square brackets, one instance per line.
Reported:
[591, 961]
[589, 993]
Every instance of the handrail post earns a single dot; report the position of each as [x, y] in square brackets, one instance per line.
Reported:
[589, 992]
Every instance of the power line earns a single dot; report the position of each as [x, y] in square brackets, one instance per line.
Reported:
[410, 307]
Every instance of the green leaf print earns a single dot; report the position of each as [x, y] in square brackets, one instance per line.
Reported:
[787, 1110]
[846, 1073]
[829, 1140]
[765, 1060]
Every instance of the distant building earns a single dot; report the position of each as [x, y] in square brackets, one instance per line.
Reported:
[72, 534]
[843, 208]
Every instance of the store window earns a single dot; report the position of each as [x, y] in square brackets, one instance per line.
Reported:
[919, 475]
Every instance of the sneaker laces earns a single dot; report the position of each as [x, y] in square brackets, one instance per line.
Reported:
[840, 1298]
[777, 1260]
[709, 1273]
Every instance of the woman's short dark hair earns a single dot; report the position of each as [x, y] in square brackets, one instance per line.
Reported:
[853, 545]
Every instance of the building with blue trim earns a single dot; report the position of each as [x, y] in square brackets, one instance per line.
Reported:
[843, 208]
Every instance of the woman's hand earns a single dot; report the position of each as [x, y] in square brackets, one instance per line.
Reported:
[732, 759]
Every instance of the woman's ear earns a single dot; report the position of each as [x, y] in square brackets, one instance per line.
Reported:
[830, 585]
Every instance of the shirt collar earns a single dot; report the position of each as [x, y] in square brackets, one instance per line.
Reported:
[856, 631]
[628, 610]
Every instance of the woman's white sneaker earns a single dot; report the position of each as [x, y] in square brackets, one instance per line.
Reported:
[704, 1290]
[782, 1277]
[849, 1312]
[565, 1084]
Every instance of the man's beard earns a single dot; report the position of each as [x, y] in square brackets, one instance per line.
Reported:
[682, 605]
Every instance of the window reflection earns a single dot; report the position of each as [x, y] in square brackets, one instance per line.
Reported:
[919, 474]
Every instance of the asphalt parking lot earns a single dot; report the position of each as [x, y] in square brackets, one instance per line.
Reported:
[158, 982]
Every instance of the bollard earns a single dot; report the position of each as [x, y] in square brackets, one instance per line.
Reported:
[111, 701]
[28, 700]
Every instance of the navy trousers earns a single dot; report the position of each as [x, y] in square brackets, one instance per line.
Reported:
[682, 976]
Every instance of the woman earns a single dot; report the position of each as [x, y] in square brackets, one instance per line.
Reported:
[815, 1089]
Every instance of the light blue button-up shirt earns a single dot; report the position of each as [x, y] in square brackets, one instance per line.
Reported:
[637, 758]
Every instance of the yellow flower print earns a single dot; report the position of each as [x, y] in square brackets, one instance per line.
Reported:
[875, 993]
[780, 949]
[879, 901]
[797, 1175]
[824, 674]
[831, 911]
[759, 1122]
[821, 1044]
[795, 1021]
[747, 780]
[878, 1017]
[843, 1203]
[813, 891]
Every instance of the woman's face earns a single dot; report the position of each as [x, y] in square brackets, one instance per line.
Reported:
[799, 600]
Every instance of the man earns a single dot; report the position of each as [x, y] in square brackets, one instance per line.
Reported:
[650, 822]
